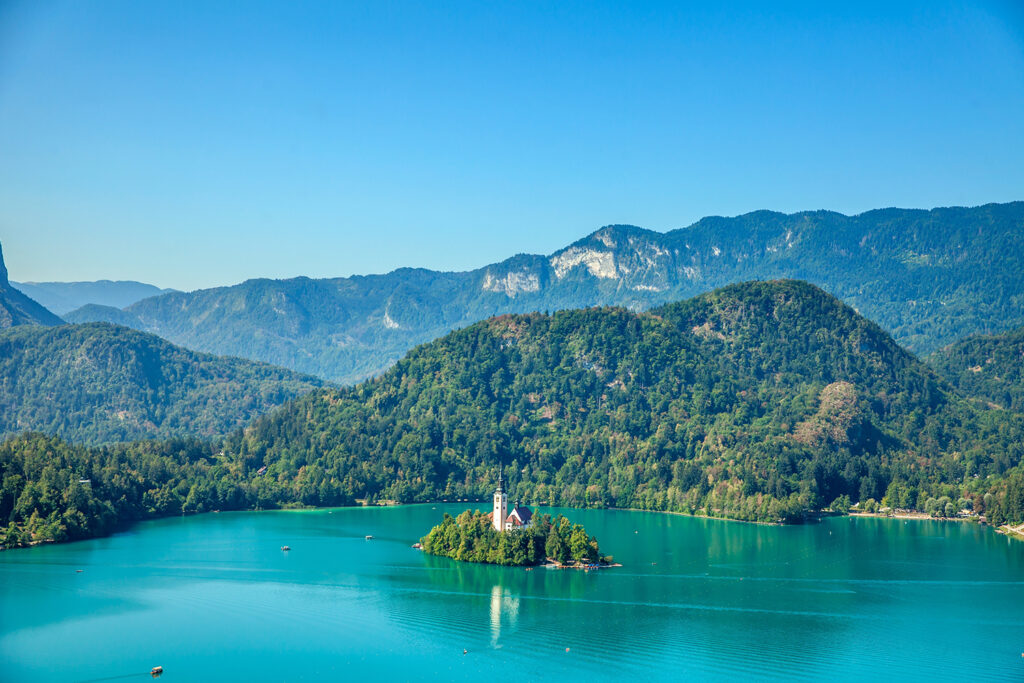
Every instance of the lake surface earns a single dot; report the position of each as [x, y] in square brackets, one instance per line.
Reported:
[213, 598]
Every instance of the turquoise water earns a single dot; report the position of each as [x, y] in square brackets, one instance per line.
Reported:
[213, 598]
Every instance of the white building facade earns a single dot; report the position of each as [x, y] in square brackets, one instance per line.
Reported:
[502, 519]
[500, 507]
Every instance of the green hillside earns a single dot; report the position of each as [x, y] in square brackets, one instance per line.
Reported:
[99, 383]
[987, 367]
[927, 277]
[758, 401]
[761, 401]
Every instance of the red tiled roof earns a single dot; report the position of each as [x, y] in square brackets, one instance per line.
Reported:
[520, 515]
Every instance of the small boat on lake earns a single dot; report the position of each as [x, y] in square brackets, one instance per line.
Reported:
[285, 548]
[156, 671]
[369, 537]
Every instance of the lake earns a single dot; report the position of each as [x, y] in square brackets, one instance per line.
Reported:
[213, 598]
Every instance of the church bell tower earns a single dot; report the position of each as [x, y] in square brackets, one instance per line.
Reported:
[500, 506]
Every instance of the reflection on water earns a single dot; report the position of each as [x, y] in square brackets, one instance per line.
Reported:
[504, 607]
[212, 597]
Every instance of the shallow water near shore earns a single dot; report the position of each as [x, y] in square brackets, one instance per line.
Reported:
[213, 598]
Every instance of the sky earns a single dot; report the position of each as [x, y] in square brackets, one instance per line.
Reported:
[198, 144]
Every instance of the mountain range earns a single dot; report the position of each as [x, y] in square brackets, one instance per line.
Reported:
[759, 401]
[62, 297]
[928, 277]
[100, 383]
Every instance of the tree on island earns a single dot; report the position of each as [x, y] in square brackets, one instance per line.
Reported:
[471, 537]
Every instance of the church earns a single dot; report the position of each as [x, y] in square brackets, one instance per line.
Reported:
[503, 520]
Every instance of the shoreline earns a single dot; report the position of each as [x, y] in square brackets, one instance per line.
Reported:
[919, 516]
[814, 516]
[1016, 532]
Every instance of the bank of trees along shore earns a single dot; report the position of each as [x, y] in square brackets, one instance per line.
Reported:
[471, 537]
[763, 402]
[55, 491]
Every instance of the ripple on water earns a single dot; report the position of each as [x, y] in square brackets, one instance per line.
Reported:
[216, 599]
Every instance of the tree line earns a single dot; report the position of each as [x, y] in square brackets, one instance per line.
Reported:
[471, 537]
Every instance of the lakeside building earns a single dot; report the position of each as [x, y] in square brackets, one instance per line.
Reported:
[503, 520]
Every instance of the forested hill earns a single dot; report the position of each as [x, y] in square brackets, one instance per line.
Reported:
[987, 367]
[99, 383]
[757, 401]
[928, 277]
[18, 309]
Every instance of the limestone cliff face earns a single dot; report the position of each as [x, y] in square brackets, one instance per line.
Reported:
[928, 277]
[18, 309]
[4, 282]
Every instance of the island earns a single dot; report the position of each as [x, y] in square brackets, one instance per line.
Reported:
[516, 538]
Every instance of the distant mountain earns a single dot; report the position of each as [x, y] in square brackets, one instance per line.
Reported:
[928, 277]
[758, 401]
[18, 309]
[104, 314]
[986, 367]
[63, 297]
[99, 383]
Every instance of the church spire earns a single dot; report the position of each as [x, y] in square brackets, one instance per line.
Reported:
[500, 510]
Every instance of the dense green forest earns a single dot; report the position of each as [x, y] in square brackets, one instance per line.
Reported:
[759, 401]
[987, 367]
[54, 490]
[928, 277]
[470, 537]
[762, 401]
[100, 383]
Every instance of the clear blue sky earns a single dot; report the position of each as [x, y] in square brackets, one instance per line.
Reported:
[192, 144]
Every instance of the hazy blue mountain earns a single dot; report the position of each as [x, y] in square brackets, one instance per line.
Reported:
[18, 309]
[100, 383]
[928, 277]
[63, 297]
[96, 313]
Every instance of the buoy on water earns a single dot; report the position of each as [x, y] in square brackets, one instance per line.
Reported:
[566, 649]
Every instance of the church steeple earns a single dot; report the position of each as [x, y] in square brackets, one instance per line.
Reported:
[500, 512]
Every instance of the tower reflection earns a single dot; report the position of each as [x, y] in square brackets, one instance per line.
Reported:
[504, 609]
